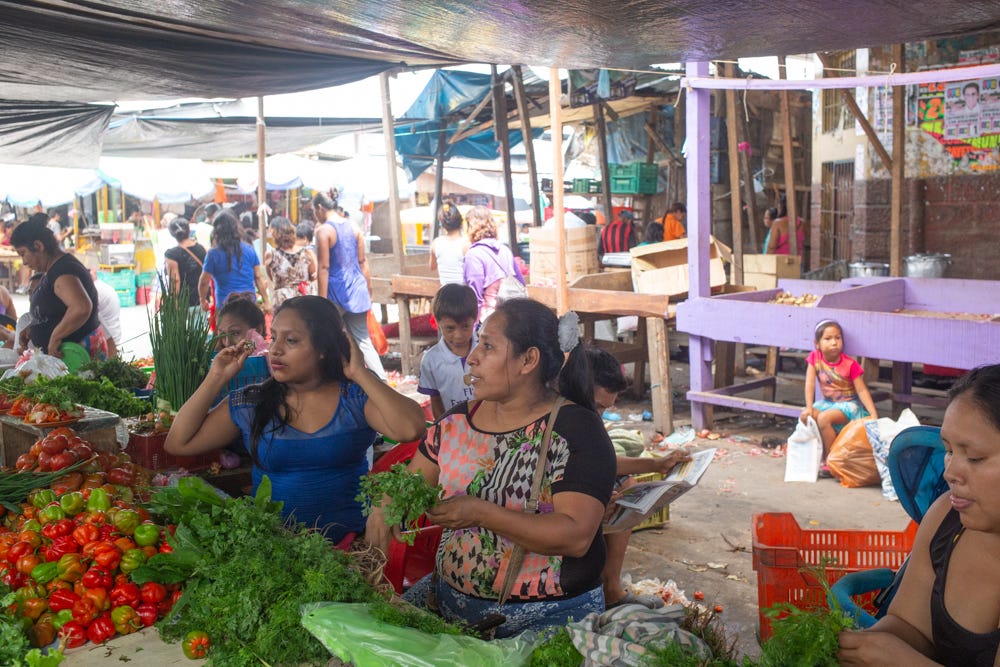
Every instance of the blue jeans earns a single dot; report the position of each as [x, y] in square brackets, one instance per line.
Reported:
[457, 607]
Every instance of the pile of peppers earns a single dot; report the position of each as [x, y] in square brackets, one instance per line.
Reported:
[68, 555]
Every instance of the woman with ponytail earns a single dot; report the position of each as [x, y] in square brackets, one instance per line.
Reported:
[309, 426]
[485, 453]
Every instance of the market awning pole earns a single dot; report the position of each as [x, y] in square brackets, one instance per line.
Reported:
[388, 130]
[898, 164]
[529, 148]
[502, 133]
[555, 125]
[602, 158]
[735, 201]
[789, 165]
[261, 178]
[438, 181]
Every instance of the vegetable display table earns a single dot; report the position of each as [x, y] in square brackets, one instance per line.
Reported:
[144, 648]
[97, 427]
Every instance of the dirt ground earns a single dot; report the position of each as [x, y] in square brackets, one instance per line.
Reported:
[707, 546]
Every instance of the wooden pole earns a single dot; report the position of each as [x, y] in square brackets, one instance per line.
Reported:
[735, 202]
[602, 158]
[852, 105]
[743, 132]
[502, 133]
[529, 148]
[789, 164]
[261, 173]
[898, 164]
[388, 130]
[438, 181]
[555, 125]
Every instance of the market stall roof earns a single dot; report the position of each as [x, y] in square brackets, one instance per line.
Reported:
[168, 180]
[118, 49]
[27, 186]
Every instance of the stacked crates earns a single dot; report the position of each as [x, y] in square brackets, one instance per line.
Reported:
[636, 178]
[586, 186]
[124, 283]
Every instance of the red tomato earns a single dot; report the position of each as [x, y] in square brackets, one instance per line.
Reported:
[26, 462]
[63, 460]
[82, 450]
[54, 444]
[44, 462]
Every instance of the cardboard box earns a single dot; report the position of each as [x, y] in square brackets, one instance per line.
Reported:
[662, 268]
[764, 271]
[581, 253]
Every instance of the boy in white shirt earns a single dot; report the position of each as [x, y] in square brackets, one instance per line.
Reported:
[443, 368]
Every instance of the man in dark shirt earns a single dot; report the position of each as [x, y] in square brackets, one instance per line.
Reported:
[619, 235]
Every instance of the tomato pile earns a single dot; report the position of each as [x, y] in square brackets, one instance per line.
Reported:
[69, 552]
[59, 449]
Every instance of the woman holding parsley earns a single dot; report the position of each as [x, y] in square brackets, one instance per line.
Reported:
[309, 426]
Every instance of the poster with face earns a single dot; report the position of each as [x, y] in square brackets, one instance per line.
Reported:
[964, 116]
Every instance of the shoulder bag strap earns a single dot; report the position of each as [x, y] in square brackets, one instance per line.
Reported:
[194, 256]
[530, 507]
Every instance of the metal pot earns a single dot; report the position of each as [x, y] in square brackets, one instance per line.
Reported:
[930, 265]
[867, 269]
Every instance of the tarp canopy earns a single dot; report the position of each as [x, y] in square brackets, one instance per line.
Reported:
[27, 186]
[360, 178]
[55, 134]
[177, 180]
[120, 49]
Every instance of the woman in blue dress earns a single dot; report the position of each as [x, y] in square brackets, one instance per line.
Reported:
[343, 275]
[309, 426]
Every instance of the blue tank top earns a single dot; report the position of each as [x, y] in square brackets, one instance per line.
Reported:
[316, 475]
[347, 286]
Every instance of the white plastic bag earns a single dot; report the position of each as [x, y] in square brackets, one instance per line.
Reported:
[38, 364]
[804, 452]
[880, 434]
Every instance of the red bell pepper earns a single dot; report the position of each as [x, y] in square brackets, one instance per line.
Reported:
[12, 578]
[60, 547]
[126, 620]
[96, 577]
[107, 556]
[100, 598]
[125, 595]
[57, 528]
[147, 614]
[152, 592]
[17, 550]
[85, 611]
[85, 534]
[102, 629]
[62, 599]
[73, 634]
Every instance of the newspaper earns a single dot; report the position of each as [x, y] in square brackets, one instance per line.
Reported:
[642, 500]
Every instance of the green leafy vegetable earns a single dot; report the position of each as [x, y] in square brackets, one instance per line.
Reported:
[409, 497]
[118, 372]
[101, 394]
[182, 347]
[556, 651]
[407, 616]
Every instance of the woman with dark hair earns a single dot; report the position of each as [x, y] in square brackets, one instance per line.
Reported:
[64, 306]
[309, 426]
[343, 275]
[448, 250]
[232, 263]
[486, 453]
[292, 270]
[777, 241]
[947, 608]
[184, 261]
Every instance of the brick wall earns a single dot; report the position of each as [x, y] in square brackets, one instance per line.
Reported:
[959, 215]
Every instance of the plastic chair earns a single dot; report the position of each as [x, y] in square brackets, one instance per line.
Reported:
[406, 564]
[916, 466]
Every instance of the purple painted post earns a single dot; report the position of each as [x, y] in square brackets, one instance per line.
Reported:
[699, 219]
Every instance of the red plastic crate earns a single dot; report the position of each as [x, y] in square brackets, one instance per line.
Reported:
[146, 449]
[781, 549]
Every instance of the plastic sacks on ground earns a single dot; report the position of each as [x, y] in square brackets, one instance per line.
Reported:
[349, 632]
[619, 636]
[804, 452]
[850, 458]
[880, 434]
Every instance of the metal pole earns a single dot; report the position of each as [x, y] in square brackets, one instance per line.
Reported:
[555, 124]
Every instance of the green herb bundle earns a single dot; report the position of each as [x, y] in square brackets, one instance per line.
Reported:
[247, 576]
[101, 394]
[409, 497]
[556, 651]
[15, 486]
[119, 373]
[12, 386]
[182, 350]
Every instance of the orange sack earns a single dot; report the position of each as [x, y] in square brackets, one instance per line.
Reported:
[851, 459]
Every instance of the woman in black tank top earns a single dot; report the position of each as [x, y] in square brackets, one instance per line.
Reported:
[947, 610]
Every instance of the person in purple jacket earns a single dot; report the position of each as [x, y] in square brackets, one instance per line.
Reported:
[487, 261]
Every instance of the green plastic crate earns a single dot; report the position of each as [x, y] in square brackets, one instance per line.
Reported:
[633, 185]
[145, 279]
[126, 298]
[120, 280]
[639, 170]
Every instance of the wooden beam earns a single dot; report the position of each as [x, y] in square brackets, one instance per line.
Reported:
[659, 374]
[438, 181]
[898, 165]
[859, 115]
[655, 137]
[555, 122]
[389, 132]
[789, 166]
[517, 80]
[503, 138]
[602, 158]
[735, 202]
[462, 131]
[749, 196]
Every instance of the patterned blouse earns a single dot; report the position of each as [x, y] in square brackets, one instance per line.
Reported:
[290, 274]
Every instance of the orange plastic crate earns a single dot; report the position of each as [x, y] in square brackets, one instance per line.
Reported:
[781, 549]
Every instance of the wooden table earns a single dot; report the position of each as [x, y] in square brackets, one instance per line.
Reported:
[591, 297]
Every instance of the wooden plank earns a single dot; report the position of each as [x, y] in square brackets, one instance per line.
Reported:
[602, 160]
[607, 302]
[502, 134]
[902, 383]
[739, 403]
[743, 387]
[388, 130]
[735, 202]
[898, 166]
[661, 394]
[883, 296]
[407, 285]
[615, 279]
[725, 357]
[517, 79]
[789, 165]
[405, 337]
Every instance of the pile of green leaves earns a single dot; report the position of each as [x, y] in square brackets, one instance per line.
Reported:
[247, 576]
[118, 372]
[182, 347]
[45, 391]
[407, 616]
[100, 394]
[409, 497]
[12, 386]
[14, 651]
[805, 637]
[674, 654]
[556, 651]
